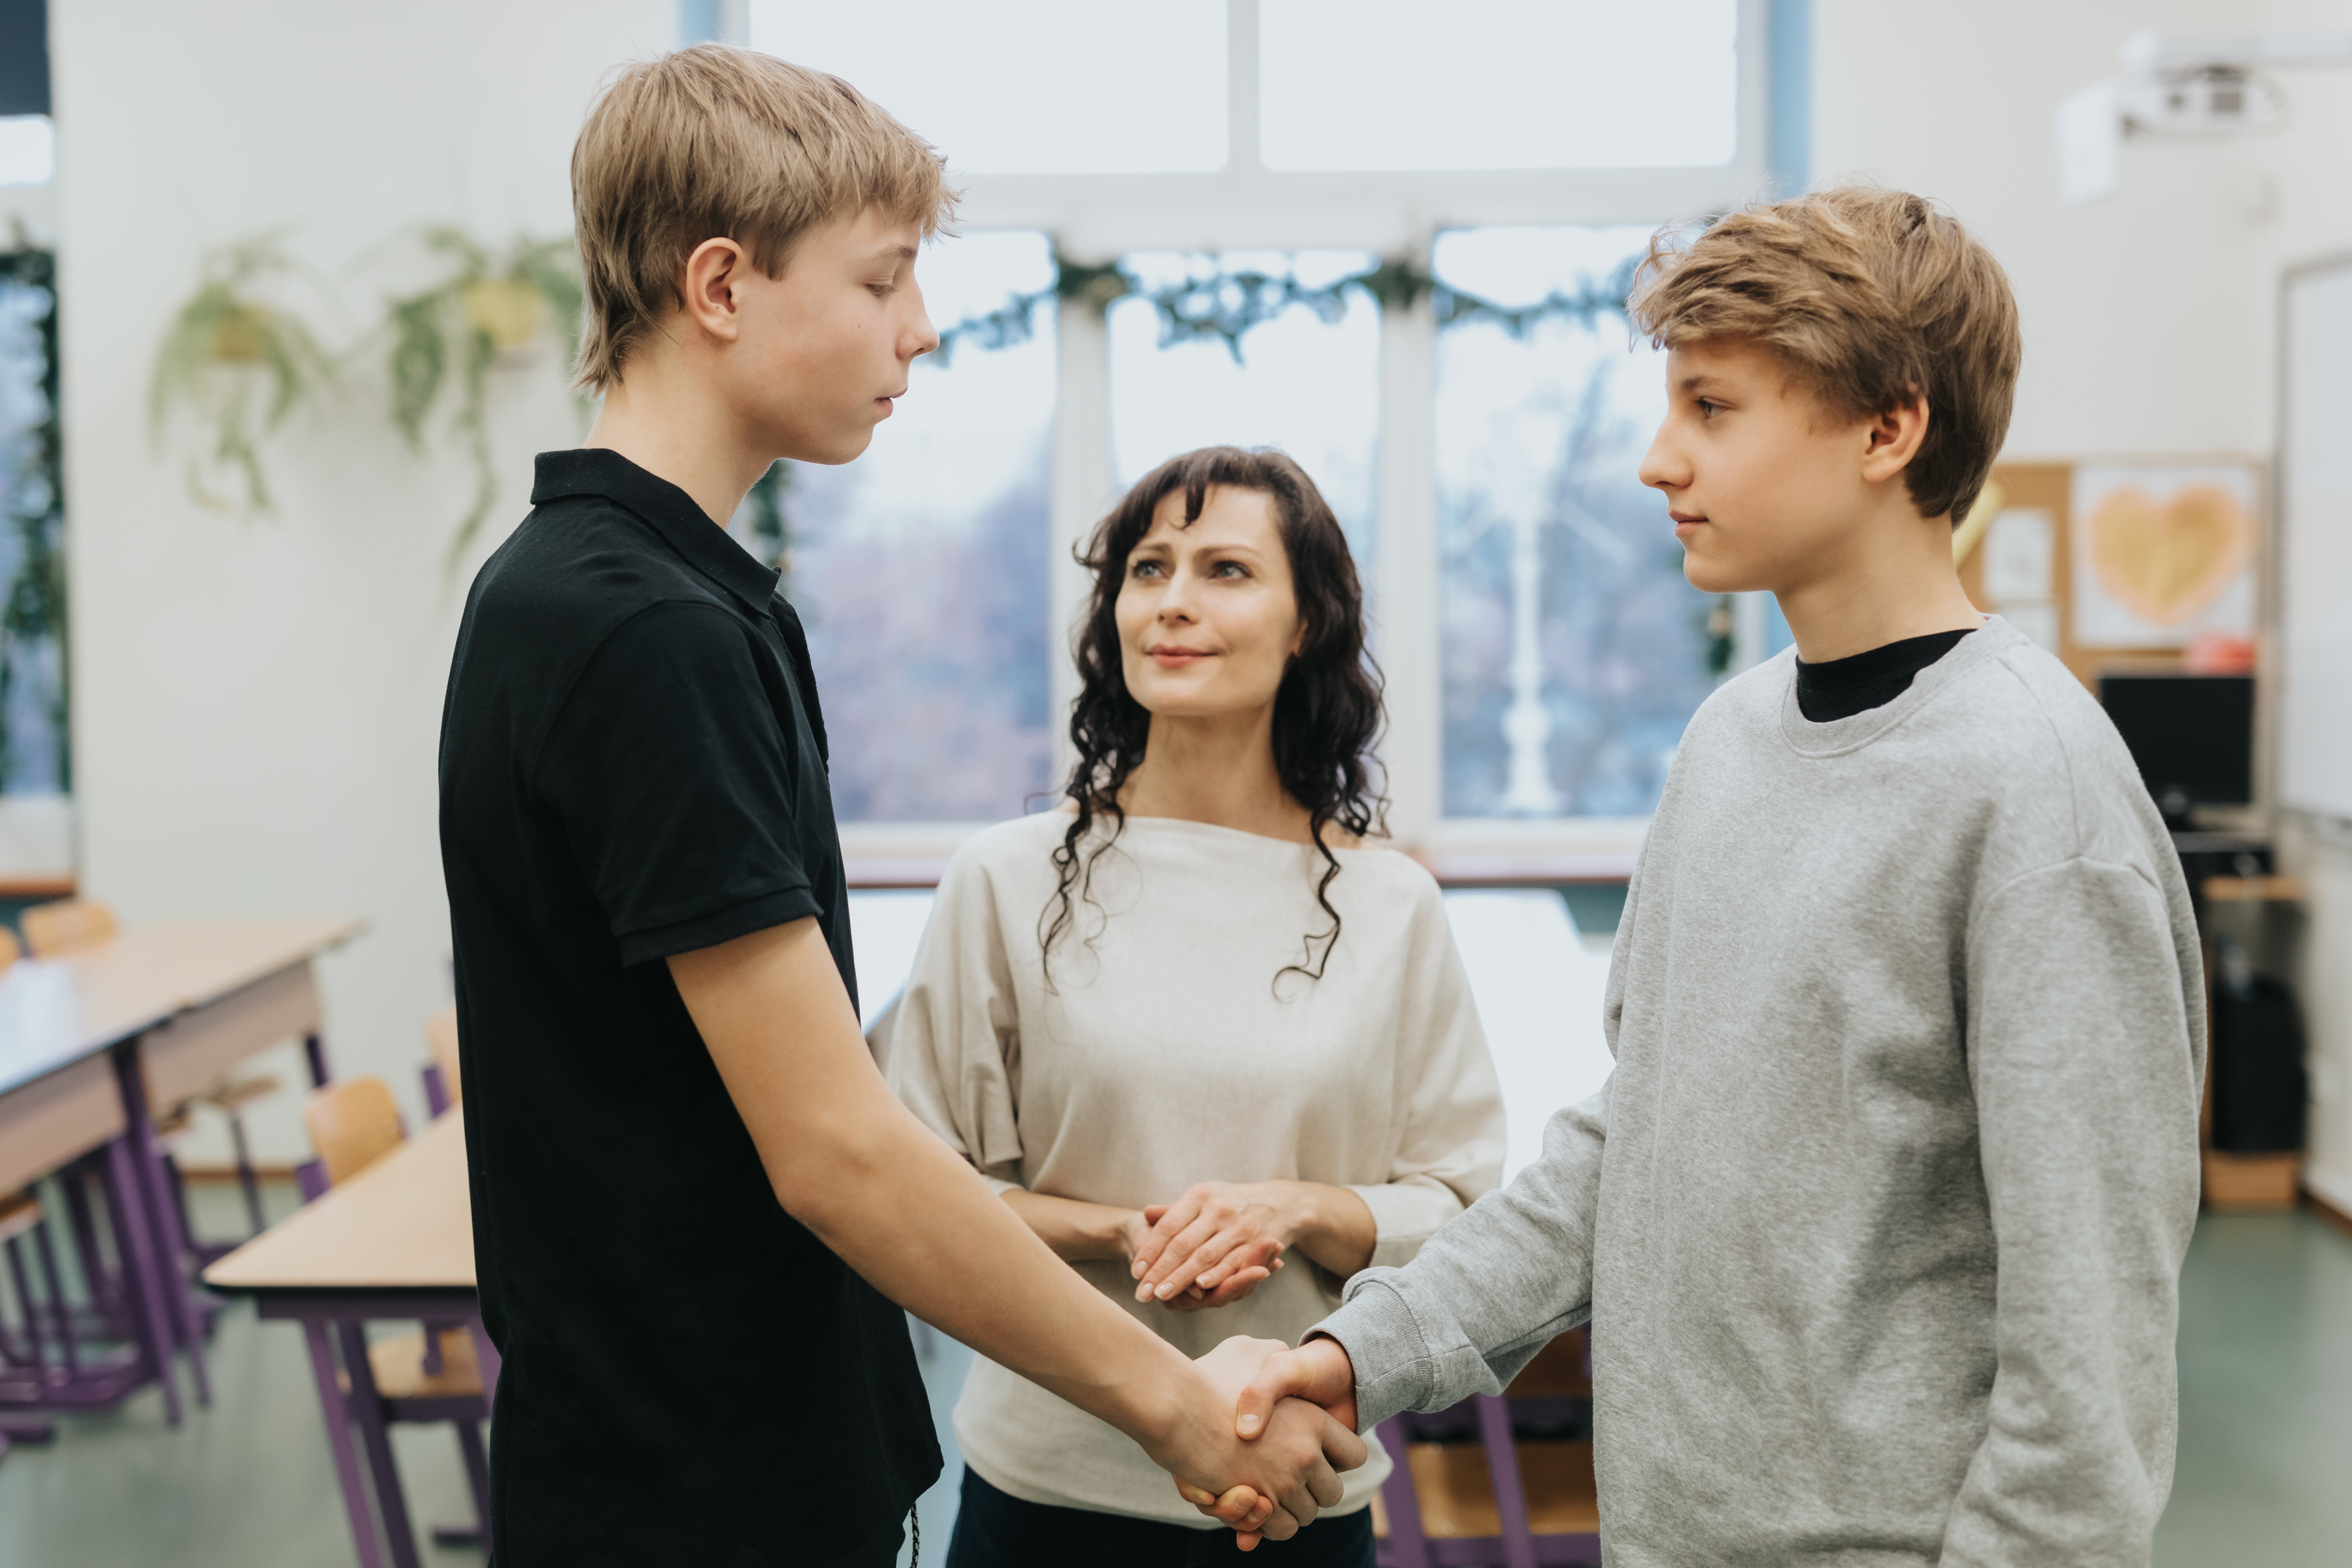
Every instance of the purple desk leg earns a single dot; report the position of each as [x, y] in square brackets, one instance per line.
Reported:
[315, 1049]
[1407, 1547]
[367, 1414]
[134, 1238]
[1503, 1465]
[333, 1406]
[172, 1248]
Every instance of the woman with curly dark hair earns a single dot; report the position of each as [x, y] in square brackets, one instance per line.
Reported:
[1193, 1023]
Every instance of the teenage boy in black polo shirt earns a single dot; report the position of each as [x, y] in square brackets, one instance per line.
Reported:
[692, 1191]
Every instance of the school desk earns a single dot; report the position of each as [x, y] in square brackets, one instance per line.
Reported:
[86, 1039]
[393, 1242]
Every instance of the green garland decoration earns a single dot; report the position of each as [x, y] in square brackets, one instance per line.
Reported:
[1226, 306]
[32, 616]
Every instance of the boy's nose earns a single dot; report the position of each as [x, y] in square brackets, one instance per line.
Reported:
[1660, 469]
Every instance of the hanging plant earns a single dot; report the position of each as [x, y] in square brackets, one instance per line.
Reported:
[237, 365]
[487, 309]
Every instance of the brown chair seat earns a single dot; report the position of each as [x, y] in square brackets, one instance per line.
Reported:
[1457, 1494]
[397, 1364]
[19, 1213]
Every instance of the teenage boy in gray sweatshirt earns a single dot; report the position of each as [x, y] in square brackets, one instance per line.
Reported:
[1879, 1220]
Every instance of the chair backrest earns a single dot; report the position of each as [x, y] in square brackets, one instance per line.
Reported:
[354, 1122]
[441, 1039]
[66, 926]
[11, 949]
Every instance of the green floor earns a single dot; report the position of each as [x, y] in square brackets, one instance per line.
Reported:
[2266, 1472]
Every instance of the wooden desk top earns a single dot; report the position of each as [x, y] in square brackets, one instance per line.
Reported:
[406, 1223]
[54, 1012]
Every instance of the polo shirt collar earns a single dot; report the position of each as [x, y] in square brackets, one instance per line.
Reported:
[599, 471]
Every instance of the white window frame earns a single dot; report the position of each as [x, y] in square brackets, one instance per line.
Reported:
[1098, 218]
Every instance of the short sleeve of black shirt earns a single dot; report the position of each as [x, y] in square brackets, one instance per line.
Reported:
[679, 805]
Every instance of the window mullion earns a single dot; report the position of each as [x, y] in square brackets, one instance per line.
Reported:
[1083, 486]
[1408, 605]
[1240, 87]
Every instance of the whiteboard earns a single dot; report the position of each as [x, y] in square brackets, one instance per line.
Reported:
[2314, 698]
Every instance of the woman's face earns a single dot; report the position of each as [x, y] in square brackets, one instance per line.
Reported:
[1208, 620]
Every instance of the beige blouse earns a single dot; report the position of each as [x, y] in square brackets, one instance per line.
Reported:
[1169, 1048]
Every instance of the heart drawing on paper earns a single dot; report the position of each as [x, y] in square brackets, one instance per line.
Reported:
[2166, 560]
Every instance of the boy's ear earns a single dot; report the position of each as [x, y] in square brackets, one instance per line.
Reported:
[711, 273]
[1894, 438]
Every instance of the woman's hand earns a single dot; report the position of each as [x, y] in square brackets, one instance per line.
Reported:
[1219, 1241]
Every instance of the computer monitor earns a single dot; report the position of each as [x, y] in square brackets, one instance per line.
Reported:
[2192, 736]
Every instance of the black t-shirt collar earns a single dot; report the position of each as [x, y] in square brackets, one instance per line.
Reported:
[599, 471]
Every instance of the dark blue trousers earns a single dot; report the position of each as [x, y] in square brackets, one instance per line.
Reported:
[996, 1530]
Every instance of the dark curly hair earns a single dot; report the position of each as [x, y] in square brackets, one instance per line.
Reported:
[1327, 712]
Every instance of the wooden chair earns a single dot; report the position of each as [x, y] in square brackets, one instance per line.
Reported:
[1515, 1499]
[352, 1124]
[445, 1085]
[66, 926]
[429, 1376]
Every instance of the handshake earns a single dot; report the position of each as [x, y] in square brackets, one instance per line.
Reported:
[1278, 1426]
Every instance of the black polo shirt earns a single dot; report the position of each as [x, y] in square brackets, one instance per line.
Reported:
[632, 766]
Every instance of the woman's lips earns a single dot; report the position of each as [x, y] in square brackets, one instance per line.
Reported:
[1174, 657]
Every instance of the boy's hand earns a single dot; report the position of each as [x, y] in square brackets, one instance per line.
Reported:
[1319, 1372]
[1293, 1466]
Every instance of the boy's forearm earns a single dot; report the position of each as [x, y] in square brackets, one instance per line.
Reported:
[1077, 1232]
[1488, 1290]
[893, 1202]
[917, 1223]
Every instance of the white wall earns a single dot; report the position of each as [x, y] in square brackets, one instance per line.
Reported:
[2149, 317]
[257, 701]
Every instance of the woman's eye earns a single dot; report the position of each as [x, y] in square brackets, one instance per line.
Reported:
[1144, 569]
[1229, 569]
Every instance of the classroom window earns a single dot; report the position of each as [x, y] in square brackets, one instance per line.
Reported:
[920, 570]
[1029, 87]
[33, 752]
[1497, 84]
[1299, 382]
[1573, 650]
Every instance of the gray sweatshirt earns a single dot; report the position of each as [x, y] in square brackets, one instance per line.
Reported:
[1879, 1220]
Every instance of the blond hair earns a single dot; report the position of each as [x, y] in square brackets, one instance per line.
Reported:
[1871, 298]
[714, 142]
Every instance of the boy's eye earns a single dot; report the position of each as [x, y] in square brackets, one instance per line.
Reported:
[1708, 409]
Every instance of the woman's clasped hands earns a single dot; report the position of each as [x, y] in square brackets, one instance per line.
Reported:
[1218, 1241]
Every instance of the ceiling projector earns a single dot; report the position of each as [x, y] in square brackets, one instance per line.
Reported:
[2201, 84]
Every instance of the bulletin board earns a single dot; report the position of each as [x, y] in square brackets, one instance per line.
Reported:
[2120, 564]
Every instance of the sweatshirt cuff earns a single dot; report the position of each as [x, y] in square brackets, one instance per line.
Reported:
[1384, 1346]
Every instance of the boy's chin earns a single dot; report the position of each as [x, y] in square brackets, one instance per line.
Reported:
[1709, 576]
[845, 447]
